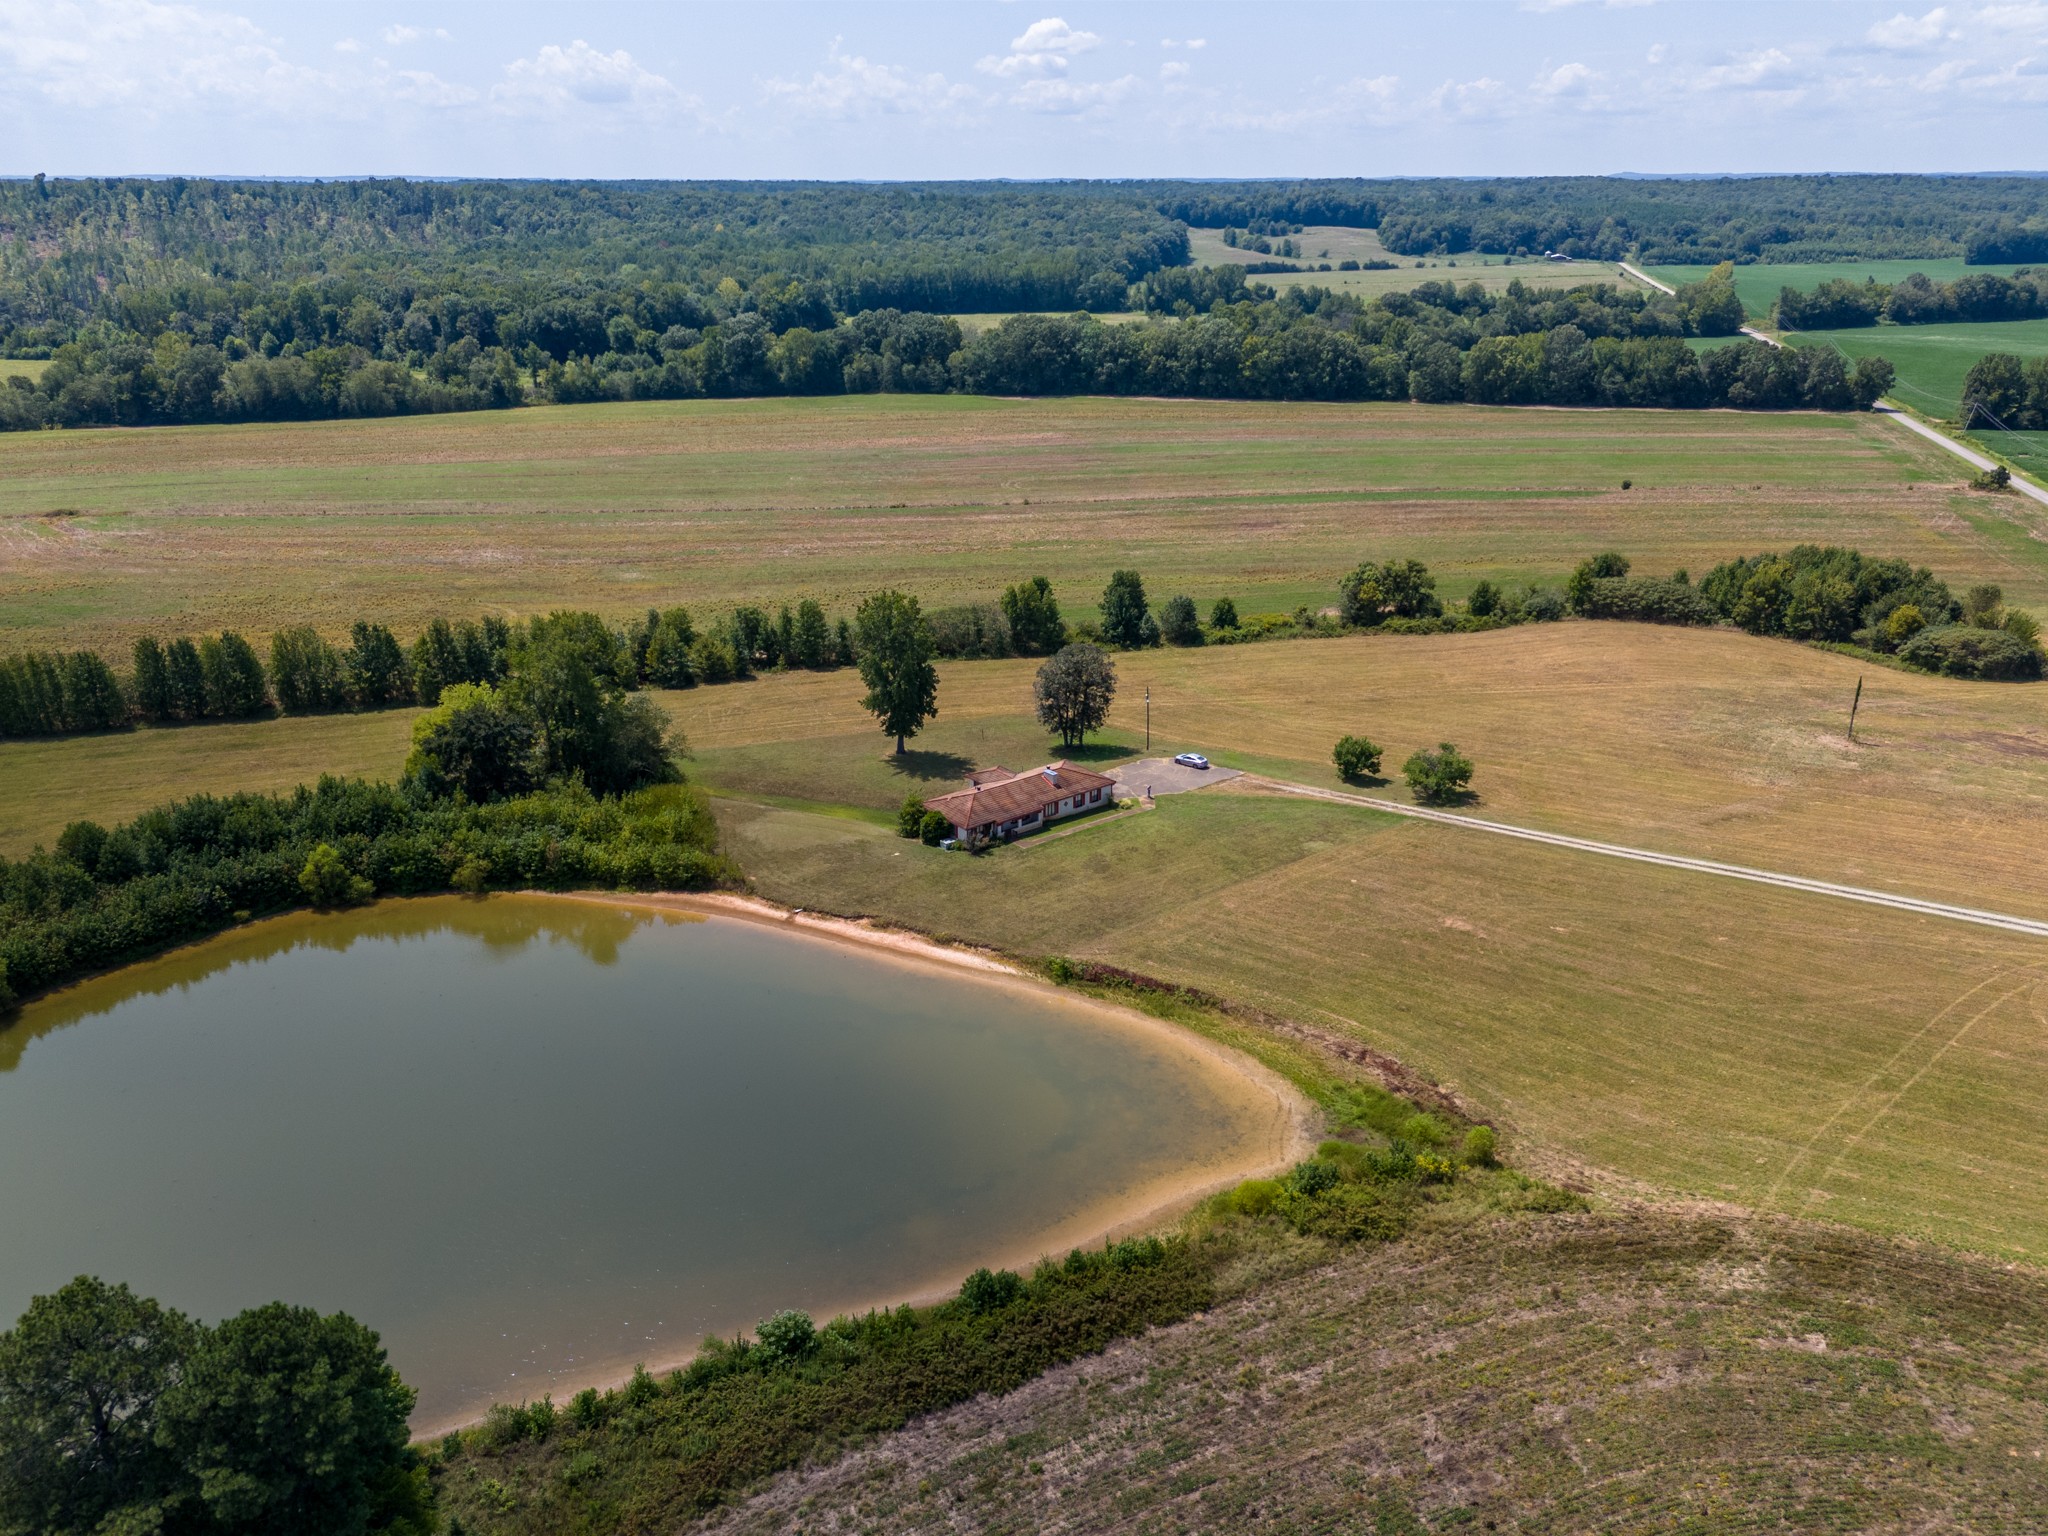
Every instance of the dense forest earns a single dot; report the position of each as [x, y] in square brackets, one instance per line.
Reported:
[1596, 345]
[183, 300]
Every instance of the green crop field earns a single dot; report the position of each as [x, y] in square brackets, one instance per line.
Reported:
[1933, 360]
[1333, 243]
[617, 507]
[1759, 283]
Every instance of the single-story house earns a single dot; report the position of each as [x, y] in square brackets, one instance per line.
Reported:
[1000, 804]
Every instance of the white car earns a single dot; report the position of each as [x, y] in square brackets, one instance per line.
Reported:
[1192, 760]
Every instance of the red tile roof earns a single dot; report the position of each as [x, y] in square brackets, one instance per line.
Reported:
[991, 802]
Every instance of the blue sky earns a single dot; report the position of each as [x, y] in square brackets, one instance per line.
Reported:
[954, 88]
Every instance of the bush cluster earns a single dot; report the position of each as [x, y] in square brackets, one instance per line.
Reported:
[744, 1408]
[196, 866]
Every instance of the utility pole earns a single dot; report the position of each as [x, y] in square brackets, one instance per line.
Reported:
[1852, 708]
[1148, 717]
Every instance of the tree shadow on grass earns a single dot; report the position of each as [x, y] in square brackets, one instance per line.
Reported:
[1096, 751]
[1366, 781]
[927, 766]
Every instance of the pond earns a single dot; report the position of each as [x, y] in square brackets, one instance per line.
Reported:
[533, 1141]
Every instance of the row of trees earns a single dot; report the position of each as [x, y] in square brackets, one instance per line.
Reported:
[222, 677]
[1840, 304]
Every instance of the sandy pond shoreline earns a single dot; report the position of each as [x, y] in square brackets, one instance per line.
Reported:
[1286, 1125]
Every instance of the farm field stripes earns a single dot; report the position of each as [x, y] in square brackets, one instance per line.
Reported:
[105, 535]
[2005, 920]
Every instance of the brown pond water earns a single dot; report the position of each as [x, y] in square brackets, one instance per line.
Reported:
[534, 1141]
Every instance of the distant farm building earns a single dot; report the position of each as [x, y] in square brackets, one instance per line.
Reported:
[1000, 804]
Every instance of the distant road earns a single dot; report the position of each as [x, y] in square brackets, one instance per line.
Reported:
[2024, 487]
[2005, 920]
[1967, 455]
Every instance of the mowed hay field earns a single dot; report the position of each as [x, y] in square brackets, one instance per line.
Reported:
[710, 503]
[1933, 360]
[1492, 273]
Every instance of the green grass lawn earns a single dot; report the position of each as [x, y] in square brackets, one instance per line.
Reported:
[22, 367]
[1933, 360]
[618, 507]
[1759, 283]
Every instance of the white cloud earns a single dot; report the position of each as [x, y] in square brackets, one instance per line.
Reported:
[1007, 66]
[141, 53]
[1566, 80]
[1766, 67]
[558, 80]
[1173, 69]
[1052, 35]
[1484, 97]
[426, 89]
[1193, 42]
[1907, 32]
[1068, 97]
[1044, 48]
[856, 87]
[398, 36]
[348, 45]
[2031, 16]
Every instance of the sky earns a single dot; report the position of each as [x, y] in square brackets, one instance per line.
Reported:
[960, 88]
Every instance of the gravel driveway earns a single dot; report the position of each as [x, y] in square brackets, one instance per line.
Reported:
[1163, 776]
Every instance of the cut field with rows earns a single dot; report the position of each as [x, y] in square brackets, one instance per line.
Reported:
[1637, 1370]
[1933, 360]
[1758, 284]
[621, 506]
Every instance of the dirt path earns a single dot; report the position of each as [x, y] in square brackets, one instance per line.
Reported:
[2005, 920]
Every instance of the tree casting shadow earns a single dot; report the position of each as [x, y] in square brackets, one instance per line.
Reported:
[927, 766]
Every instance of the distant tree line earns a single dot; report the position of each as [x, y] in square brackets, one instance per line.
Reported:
[1839, 304]
[221, 677]
[1828, 595]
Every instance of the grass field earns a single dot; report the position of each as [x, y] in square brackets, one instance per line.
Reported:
[974, 324]
[617, 507]
[22, 367]
[1796, 1053]
[1333, 243]
[1644, 1370]
[1933, 360]
[1759, 283]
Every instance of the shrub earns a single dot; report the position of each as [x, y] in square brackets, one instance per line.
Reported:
[934, 829]
[987, 1291]
[1062, 971]
[1962, 650]
[1602, 567]
[329, 882]
[1254, 1197]
[1179, 624]
[1439, 777]
[1357, 757]
[1996, 478]
[1542, 605]
[1484, 601]
[1480, 1146]
[910, 817]
[1644, 600]
[1902, 624]
[1223, 614]
[1311, 1177]
[789, 1336]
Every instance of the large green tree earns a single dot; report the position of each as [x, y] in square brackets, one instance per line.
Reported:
[1073, 690]
[1033, 614]
[1125, 616]
[82, 1381]
[568, 676]
[286, 1420]
[1400, 589]
[894, 647]
[475, 743]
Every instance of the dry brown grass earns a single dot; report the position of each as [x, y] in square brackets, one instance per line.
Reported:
[1708, 743]
[709, 503]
